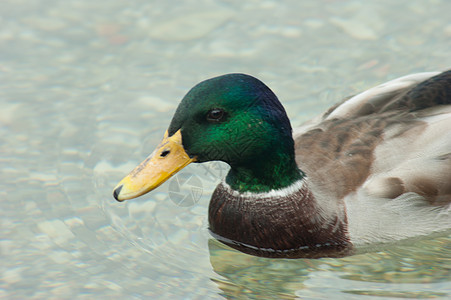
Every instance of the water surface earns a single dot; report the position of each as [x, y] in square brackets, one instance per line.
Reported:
[87, 90]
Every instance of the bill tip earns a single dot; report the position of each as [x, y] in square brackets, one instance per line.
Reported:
[116, 193]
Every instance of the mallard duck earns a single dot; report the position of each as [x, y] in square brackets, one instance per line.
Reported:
[373, 169]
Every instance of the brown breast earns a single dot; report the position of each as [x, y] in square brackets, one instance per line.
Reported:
[291, 226]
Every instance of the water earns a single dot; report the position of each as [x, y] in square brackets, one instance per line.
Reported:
[87, 90]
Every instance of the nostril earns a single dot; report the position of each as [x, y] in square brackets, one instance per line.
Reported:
[164, 153]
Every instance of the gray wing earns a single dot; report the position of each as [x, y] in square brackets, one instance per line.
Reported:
[391, 139]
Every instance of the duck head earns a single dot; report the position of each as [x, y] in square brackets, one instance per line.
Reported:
[233, 118]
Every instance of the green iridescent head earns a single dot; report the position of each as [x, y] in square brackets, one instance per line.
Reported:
[237, 119]
[233, 118]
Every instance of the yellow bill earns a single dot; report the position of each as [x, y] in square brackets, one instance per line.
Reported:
[169, 158]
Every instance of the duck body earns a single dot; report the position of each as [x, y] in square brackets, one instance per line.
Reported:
[373, 169]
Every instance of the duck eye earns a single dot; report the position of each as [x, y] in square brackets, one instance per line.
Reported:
[215, 115]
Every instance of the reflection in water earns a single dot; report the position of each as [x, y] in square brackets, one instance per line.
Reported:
[255, 276]
[404, 267]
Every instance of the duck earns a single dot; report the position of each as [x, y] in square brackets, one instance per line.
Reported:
[374, 169]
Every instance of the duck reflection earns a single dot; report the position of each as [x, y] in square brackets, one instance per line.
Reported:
[244, 274]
